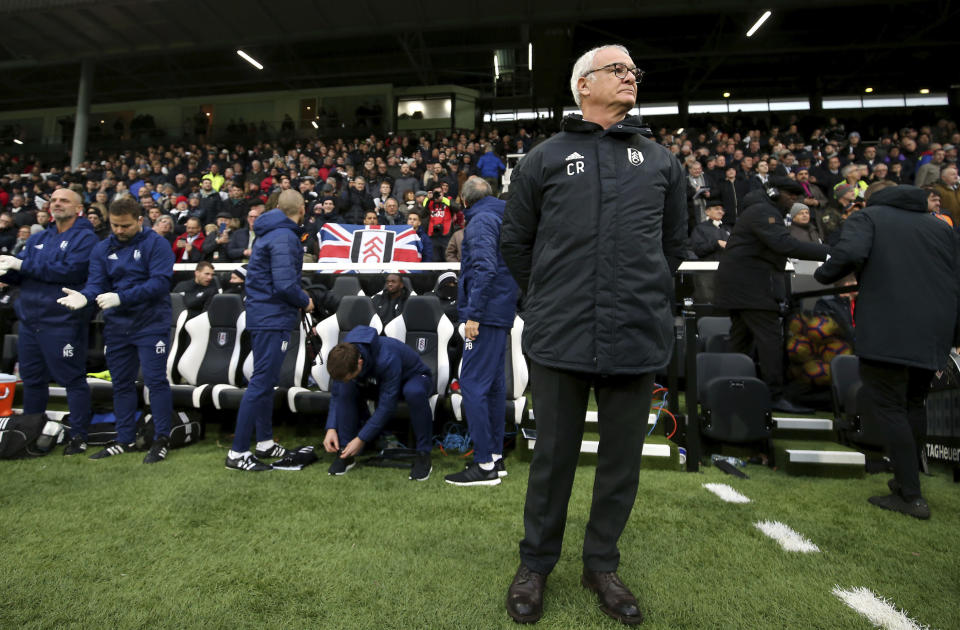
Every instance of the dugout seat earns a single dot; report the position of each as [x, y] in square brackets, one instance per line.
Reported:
[293, 374]
[713, 334]
[424, 327]
[517, 377]
[213, 355]
[852, 409]
[179, 339]
[346, 285]
[735, 404]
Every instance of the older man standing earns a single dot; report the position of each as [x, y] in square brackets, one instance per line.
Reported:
[595, 224]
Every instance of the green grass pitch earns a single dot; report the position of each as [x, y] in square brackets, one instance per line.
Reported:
[189, 544]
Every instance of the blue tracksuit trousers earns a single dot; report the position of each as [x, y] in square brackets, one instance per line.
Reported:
[351, 411]
[256, 408]
[60, 354]
[126, 356]
[482, 381]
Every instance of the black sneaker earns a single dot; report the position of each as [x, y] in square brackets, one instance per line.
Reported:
[473, 475]
[917, 508]
[76, 446]
[341, 465]
[247, 462]
[113, 448]
[501, 467]
[422, 467]
[158, 450]
[274, 452]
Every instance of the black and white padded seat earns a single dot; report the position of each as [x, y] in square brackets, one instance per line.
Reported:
[517, 377]
[293, 374]
[179, 339]
[423, 327]
[853, 409]
[212, 359]
[346, 285]
[735, 403]
[353, 311]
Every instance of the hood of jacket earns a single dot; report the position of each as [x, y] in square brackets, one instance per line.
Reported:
[275, 219]
[630, 125]
[908, 198]
[366, 338]
[487, 204]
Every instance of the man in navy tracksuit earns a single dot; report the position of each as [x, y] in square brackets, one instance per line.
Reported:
[487, 302]
[52, 342]
[274, 298]
[367, 365]
[130, 274]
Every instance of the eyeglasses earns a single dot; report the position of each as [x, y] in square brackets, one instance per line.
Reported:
[620, 71]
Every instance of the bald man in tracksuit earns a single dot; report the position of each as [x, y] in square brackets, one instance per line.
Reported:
[129, 278]
[52, 342]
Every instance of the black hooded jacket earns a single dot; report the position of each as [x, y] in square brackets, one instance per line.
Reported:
[750, 275]
[908, 267]
[594, 227]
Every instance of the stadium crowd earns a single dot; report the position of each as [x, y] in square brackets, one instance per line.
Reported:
[204, 199]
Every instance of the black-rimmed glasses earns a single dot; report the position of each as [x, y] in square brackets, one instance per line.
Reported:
[620, 71]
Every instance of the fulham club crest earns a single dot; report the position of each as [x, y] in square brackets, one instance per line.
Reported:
[635, 157]
[222, 338]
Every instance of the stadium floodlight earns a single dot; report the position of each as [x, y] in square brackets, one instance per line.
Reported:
[18, 140]
[496, 67]
[530, 56]
[868, 90]
[253, 62]
[924, 90]
[758, 24]
[726, 95]
[315, 125]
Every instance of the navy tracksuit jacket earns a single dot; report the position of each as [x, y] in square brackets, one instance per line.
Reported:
[137, 332]
[391, 369]
[274, 298]
[52, 342]
[488, 295]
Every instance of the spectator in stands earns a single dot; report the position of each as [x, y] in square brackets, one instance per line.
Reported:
[844, 203]
[454, 247]
[933, 205]
[241, 241]
[198, 292]
[443, 220]
[891, 244]
[235, 204]
[852, 177]
[368, 366]
[274, 301]
[214, 177]
[445, 290]
[575, 338]
[750, 280]
[129, 278]
[43, 221]
[310, 245]
[20, 212]
[708, 241]
[878, 173]
[390, 301]
[391, 214]
[164, 227]
[52, 341]
[215, 244]
[370, 217]
[426, 246]
[487, 302]
[801, 227]
[100, 227]
[189, 246]
[386, 192]
[355, 202]
[23, 233]
[698, 192]
[491, 167]
[948, 187]
[731, 191]
[208, 204]
[929, 173]
[405, 183]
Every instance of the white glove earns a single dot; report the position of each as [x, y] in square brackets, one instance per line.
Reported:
[73, 300]
[108, 300]
[9, 262]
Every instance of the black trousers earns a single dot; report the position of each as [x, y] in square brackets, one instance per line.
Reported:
[762, 330]
[560, 404]
[898, 394]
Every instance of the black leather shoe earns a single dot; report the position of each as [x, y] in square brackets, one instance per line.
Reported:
[785, 406]
[616, 600]
[917, 508]
[525, 595]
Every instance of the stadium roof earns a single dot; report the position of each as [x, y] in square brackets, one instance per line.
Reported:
[147, 49]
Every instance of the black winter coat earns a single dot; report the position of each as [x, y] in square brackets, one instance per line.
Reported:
[703, 240]
[751, 273]
[908, 267]
[594, 227]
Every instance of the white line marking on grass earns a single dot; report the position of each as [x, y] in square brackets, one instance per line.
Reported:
[875, 608]
[726, 493]
[786, 537]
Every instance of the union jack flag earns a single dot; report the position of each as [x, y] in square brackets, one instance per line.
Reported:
[341, 242]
